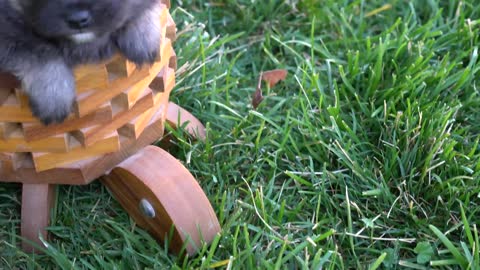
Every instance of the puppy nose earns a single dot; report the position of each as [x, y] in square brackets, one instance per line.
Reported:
[79, 19]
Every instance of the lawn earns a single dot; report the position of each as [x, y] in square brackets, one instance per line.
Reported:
[366, 157]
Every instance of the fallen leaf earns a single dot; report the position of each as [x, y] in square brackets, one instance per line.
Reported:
[272, 77]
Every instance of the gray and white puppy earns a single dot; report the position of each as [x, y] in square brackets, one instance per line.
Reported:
[42, 40]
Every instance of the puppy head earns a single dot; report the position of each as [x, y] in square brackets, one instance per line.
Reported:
[79, 20]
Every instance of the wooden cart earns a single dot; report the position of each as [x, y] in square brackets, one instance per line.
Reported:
[119, 112]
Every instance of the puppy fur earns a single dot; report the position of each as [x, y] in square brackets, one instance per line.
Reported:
[39, 47]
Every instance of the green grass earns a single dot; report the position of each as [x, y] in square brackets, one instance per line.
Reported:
[366, 157]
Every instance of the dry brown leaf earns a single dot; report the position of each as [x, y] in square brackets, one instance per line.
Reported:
[272, 77]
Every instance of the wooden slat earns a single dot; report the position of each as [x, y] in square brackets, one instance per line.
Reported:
[134, 93]
[6, 168]
[6, 162]
[21, 159]
[97, 80]
[16, 114]
[135, 127]
[13, 161]
[89, 69]
[121, 67]
[46, 161]
[164, 80]
[12, 112]
[92, 135]
[89, 103]
[17, 143]
[86, 170]
[6, 129]
[81, 134]
[3, 131]
[66, 176]
[173, 61]
[22, 98]
[38, 131]
[4, 94]
[52, 144]
[163, 17]
[171, 29]
[128, 147]
[131, 96]
[16, 109]
[83, 71]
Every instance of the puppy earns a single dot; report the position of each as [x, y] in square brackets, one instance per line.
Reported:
[42, 40]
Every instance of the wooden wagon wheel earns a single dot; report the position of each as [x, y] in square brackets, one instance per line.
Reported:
[159, 193]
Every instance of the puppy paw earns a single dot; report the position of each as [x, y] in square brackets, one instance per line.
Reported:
[50, 111]
[139, 41]
[51, 92]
